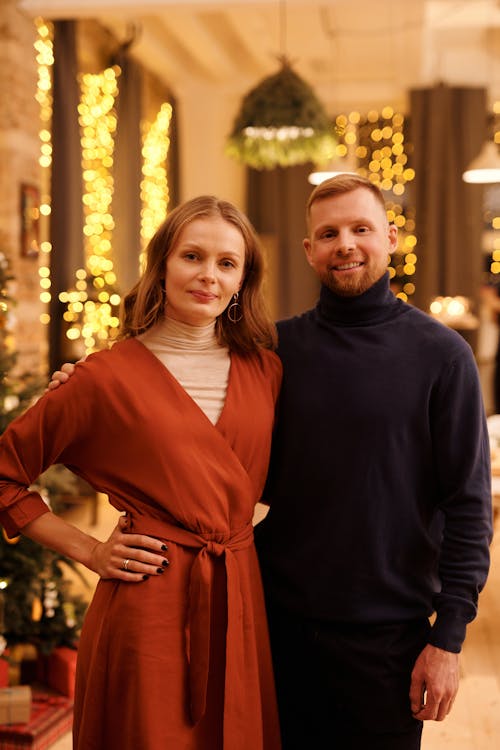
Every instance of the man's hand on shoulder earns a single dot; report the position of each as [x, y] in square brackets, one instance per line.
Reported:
[434, 684]
[61, 376]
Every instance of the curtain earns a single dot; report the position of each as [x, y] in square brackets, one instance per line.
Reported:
[66, 224]
[276, 206]
[448, 127]
[127, 172]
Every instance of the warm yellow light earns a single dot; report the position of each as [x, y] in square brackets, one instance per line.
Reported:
[97, 117]
[154, 184]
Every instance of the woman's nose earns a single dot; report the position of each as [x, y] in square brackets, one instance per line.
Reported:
[207, 271]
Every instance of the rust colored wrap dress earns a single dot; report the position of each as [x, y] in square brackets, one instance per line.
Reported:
[180, 661]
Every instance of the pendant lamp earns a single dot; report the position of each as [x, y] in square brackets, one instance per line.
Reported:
[485, 168]
[338, 165]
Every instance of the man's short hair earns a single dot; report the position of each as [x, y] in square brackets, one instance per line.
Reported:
[340, 184]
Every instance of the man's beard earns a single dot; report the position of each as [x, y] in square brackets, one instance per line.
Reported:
[350, 286]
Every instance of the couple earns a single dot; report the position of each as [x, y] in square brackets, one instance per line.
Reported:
[379, 489]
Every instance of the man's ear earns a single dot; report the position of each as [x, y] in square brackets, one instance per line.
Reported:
[393, 238]
[307, 247]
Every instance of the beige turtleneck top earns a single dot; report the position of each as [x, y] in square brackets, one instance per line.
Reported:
[195, 358]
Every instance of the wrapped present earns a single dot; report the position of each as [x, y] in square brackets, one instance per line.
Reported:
[22, 656]
[58, 670]
[51, 717]
[4, 672]
[15, 704]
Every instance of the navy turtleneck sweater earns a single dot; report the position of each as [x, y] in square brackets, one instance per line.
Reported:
[379, 482]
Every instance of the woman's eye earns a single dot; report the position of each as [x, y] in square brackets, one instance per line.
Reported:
[227, 263]
[190, 256]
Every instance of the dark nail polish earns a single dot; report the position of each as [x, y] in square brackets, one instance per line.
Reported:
[165, 563]
[160, 570]
[164, 547]
[145, 577]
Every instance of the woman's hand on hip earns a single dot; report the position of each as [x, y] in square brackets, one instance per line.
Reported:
[129, 557]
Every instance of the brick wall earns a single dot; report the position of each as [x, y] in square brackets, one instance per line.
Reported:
[19, 151]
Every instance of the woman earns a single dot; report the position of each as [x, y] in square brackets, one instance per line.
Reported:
[174, 424]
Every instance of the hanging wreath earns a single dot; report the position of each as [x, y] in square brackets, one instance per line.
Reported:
[281, 123]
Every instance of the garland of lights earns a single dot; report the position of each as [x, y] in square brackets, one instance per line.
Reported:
[154, 183]
[92, 306]
[45, 60]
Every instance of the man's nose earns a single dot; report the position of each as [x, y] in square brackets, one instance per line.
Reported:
[344, 243]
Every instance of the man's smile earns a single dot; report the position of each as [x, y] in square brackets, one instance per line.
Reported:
[346, 266]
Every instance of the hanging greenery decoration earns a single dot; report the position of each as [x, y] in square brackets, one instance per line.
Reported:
[281, 123]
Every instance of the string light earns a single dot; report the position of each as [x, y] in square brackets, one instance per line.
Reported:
[92, 305]
[44, 49]
[454, 312]
[154, 183]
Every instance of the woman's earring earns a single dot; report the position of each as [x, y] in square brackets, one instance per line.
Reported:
[234, 311]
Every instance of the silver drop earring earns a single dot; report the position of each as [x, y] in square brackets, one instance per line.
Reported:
[234, 311]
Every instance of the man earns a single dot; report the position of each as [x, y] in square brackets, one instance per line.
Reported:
[379, 493]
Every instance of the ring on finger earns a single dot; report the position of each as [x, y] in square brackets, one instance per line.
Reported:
[125, 564]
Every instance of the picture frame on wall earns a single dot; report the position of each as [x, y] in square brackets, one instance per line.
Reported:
[30, 220]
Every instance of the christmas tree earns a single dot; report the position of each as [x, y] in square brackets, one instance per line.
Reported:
[36, 605]
[16, 391]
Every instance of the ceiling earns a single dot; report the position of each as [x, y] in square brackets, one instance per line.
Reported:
[353, 52]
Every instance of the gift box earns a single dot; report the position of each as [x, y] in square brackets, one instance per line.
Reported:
[4, 672]
[59, 669]
[51, 717]
[15, 704]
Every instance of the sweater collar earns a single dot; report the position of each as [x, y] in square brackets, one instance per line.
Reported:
[174, 335]
[375, 305]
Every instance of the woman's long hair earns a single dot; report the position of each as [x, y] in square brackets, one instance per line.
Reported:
[144, 305]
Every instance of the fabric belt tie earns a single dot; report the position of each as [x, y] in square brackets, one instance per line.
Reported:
[199, 610]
